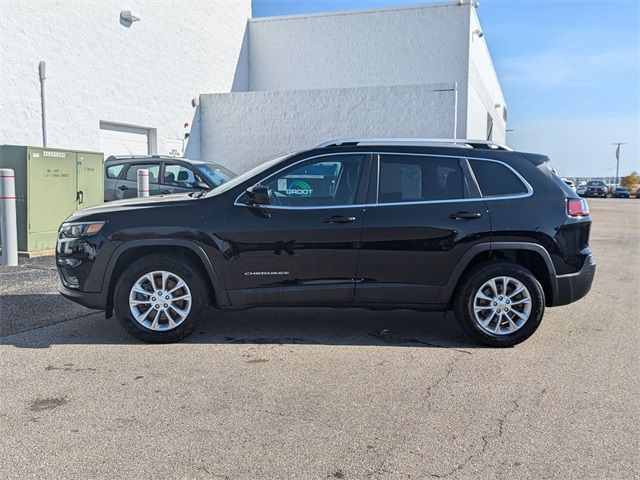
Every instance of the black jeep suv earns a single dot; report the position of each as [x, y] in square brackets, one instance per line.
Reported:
[493, 234]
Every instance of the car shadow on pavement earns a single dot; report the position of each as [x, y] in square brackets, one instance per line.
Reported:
[52, 323]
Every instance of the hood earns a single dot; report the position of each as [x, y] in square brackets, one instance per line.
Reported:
[132, 204]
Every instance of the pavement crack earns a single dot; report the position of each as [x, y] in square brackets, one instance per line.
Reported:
[487, 439]
[49, 324]
[442, 379]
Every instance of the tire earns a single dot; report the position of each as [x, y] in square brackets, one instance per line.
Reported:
[477, 284]
[183, 305]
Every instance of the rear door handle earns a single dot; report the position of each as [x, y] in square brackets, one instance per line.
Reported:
[465, 215]
[339, 219]
[123, 187]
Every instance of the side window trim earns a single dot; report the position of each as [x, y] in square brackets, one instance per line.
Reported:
[371, 200]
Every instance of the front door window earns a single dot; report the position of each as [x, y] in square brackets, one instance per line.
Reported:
[329, 181]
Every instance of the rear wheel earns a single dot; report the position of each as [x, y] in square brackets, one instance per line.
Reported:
[500, 304]
[160, 299]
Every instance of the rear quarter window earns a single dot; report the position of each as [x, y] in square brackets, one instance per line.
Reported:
[496, 179]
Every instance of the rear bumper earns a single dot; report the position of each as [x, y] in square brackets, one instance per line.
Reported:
[574, 286]
[95, 301]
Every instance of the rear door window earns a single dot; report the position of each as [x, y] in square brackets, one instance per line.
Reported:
[418, 178]
[154, 170]
[496, 179]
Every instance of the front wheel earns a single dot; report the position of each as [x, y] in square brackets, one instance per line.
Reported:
[160, 299]
[500, 304]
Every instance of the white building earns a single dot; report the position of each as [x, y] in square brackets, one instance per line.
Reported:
[264, 85]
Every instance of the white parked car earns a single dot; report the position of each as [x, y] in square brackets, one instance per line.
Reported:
[581, 189]
[572, 186]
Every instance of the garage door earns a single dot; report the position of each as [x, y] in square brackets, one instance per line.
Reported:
[123, 140]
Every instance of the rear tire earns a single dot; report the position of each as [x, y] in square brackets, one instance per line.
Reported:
[168, 312]
[499, 304]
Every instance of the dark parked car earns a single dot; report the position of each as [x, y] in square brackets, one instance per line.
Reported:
[596, 188]
[491, 233]
[166, 175]
[620, 192]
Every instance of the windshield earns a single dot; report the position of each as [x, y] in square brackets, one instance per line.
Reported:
[596, 184]
[217, 174]
[247, 175]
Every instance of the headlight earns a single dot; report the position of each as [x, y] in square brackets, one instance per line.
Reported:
[81, 229]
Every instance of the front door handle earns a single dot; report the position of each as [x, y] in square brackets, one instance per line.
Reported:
[123, 187]
[80, 197]
[465, 215]
[339, 219]
[167, 192]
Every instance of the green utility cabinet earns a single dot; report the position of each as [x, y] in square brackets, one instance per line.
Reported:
[51, 184]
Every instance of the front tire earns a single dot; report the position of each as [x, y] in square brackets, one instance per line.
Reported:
[160, 298]
[499, 304]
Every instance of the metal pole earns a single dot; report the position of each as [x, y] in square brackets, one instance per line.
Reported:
[143, 182]
[41, 72]
[618, 161]
[8, 223]
[455, 109]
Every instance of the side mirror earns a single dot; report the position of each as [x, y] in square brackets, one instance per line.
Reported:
[257, 195]
[201, 186]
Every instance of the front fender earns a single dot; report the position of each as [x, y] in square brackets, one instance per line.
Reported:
[221, 296]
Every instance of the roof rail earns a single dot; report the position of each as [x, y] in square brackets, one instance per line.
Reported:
[124, 157]
[418, 142]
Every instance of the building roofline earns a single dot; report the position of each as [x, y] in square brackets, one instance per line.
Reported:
[414, 6]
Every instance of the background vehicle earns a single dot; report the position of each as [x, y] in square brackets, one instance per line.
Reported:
[596, 188]
[167, 175]
[620, 192]
[581, 189]
[570, 183]
[491, 233]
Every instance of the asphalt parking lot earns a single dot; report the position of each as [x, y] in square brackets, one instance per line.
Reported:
[350, 394]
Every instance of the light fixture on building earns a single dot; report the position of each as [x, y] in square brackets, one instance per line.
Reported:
[129, 16]
[477, 32]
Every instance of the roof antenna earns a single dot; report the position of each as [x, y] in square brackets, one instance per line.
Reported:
[125, 146]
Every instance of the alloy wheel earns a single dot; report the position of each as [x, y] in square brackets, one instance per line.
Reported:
[502, 305]
[160, 300]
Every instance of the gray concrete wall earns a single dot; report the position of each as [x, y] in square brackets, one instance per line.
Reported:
[241, 130]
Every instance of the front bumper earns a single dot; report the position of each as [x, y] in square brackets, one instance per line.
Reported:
[95, 301]
[574, 286]
[596, 193]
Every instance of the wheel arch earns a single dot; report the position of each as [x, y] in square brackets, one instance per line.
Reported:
[532, 256]
[134, 249]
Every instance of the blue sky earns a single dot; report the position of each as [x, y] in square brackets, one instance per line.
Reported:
[569, 69]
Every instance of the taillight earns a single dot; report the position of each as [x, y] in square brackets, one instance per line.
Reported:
[577, 207]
